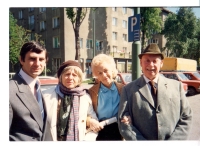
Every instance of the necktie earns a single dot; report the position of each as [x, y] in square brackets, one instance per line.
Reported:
[153, 90]
[39, 98]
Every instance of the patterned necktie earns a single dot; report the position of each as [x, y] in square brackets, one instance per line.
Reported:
[153, 91]
[39, 98]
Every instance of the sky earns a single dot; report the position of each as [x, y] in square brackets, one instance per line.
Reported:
[196, 10]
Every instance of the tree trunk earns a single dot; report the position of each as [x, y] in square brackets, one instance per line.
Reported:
[143, 41]
[76, 31]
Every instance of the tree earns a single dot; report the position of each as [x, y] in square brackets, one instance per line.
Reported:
[179, 30]
[76, 16]
[150, 23]
[17, 37]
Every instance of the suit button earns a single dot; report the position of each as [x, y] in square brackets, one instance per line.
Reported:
[82, 121]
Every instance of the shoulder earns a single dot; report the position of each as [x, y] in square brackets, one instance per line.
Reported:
[48, 91]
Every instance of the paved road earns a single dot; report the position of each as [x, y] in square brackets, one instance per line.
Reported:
[195, 105]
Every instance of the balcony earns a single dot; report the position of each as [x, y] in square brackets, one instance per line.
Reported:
[120, 55]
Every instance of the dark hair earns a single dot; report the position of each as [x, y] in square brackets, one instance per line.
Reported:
[32, 46]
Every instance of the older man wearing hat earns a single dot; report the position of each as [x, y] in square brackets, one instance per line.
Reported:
[69, 105]
[158, 107]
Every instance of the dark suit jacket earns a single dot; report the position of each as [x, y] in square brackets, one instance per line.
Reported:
[25, 119]
[169, 120]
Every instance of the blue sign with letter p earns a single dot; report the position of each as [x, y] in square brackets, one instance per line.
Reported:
[134, 28]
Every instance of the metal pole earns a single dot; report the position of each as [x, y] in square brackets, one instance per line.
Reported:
[136, 49]
[94, 41]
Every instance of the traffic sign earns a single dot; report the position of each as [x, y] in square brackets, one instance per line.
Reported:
[134, 28]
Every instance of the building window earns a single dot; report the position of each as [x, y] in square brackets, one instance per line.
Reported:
[124, 10]
[114, 9]
[56, 42]
[114, 48]
[114, 35]
[153, 41]
[124, 50]
[30, 9]
[32, 36]
[125, 37]
[54, 8]
[132, 12]
[124, 24]
[99, 45]
[31, 22]
[55, 22]
[89, 44]
[114, 21]
[42, 25]
[81, 43]
[41, 10]
[56, 62]
[20, 14]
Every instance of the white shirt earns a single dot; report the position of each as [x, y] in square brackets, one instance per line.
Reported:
[29, 80]
[147, 81]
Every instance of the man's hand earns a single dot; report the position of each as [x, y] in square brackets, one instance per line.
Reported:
[126, 120]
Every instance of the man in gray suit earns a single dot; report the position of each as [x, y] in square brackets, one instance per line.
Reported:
[163, 115]
[27, 118]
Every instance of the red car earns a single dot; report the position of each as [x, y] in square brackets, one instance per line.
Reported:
[47, 82]
[193, 85]
[192, 75]
[126, 78]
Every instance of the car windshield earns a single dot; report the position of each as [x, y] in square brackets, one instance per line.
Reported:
[182, 76]
[196, 74]
[127, 77]
[45, 87]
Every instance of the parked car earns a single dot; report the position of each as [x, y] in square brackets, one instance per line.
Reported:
[193, 85]
[124, 78]
[47, 82]
[192, 75]
[11, 75]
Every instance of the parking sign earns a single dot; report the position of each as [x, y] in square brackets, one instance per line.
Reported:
[134, 28]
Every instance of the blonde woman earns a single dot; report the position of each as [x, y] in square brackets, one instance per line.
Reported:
[69, 104]
[105, 97]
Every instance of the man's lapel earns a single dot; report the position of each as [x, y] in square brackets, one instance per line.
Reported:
[144, 90]
[29, 101]
[162, 90]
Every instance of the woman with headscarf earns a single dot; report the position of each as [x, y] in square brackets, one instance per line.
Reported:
[69, 104]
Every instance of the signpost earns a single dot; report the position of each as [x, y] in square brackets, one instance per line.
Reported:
[134, 36]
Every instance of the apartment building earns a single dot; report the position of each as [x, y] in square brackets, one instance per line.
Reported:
[109, 27]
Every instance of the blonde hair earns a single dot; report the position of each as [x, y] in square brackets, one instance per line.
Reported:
[103, 58]
[76, 69]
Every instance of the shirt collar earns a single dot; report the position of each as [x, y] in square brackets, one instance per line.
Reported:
[147, 80]
[29, 80]
[105, 89]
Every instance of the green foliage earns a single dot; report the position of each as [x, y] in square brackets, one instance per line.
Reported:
[181, 31]
[17, 37]
[150, 23]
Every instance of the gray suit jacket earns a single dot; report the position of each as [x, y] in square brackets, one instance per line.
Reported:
[169, 120]
[25, 119]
